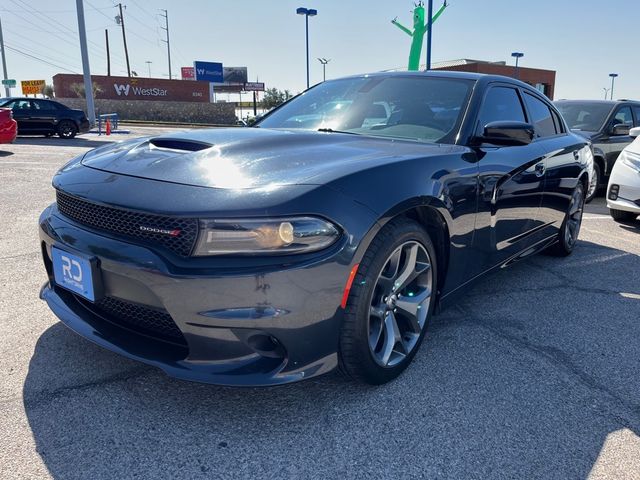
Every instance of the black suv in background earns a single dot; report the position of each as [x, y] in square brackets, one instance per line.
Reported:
[38, 116]
[606, 123]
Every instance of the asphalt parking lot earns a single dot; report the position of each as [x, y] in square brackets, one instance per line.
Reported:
[534, 374]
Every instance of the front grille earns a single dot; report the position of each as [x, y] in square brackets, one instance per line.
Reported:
[128, 223]
[150, 321]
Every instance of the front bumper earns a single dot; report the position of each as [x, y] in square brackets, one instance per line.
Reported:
[264, 325]
[628, 181]
[8, 132]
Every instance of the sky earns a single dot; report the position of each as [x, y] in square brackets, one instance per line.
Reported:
[583, 40]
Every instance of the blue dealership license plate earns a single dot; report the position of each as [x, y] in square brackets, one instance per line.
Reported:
[73, 273]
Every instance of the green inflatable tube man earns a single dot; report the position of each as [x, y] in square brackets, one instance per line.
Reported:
[419, 29]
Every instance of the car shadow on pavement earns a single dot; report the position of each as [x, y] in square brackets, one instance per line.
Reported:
[531, 375]
[4, 153]
[80, 141]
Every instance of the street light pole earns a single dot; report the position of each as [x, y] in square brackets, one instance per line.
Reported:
[307, 12]
[517, 56]
[613, 78]
[149, 62]
[324, 62]
[429, 28]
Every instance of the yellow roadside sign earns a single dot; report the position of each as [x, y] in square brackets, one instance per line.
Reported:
[31, 86]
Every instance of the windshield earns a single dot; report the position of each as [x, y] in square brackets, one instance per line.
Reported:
[588, 116]
[425, 109]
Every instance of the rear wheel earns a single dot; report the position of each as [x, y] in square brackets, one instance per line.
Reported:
[622, 216]
[595, 183]
[570, 229]
[390, 304]
[67, 129]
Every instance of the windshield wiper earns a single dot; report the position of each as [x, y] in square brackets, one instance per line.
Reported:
[331, 130]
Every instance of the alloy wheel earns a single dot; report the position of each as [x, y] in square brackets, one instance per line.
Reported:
[574, 218]
[593, 185]
[400, 304]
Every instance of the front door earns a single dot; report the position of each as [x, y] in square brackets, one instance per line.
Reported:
[511, 183]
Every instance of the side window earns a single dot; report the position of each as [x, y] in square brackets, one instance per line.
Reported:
[623, 115]
[19, 105]
[540, 116]
[500, 104]
[636, 111]
[557, 121]
[44, 105]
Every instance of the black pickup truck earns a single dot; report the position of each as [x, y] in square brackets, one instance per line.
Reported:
[606, 123]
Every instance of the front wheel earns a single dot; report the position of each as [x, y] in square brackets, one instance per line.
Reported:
[594, 184]
[390, 303]
[67, 129]
[570, 229]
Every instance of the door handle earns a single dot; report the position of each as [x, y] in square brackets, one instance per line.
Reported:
[540, 169]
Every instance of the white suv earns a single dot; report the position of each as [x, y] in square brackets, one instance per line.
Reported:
[623, 192]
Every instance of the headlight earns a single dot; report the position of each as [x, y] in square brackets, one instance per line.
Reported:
[264, 236]
[631, 160]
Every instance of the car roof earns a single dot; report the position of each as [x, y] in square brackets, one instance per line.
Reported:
[444, 74]
[600, 102]
[6, 99]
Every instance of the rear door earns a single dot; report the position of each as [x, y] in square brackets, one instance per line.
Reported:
[511, 181]
[561, 153]
[43, 115]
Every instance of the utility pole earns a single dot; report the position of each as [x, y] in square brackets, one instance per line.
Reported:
[106, 39]
[149, 62]
[120, 21]
[4, 63]
[166, 22]
[88, 87]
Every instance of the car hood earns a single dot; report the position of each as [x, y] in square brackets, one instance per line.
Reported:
[253, 157]
[585, 133]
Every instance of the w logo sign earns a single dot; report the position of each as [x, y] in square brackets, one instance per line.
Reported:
[201, 71]
[122, 89]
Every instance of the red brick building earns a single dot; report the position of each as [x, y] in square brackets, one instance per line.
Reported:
[542, 80]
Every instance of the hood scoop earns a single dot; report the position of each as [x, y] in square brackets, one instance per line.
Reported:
[178, 144]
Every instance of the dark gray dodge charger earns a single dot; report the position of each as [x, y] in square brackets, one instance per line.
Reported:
[326, 236]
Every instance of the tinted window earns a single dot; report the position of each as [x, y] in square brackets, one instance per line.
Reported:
[43, 105]
[500, 104]
[623, 116]
[19, 105]
[636, 111]
[588, 116]
[540, 116]
[412, 107]
[558, 121]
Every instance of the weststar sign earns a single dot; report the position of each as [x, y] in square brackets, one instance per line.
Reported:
[126, 88]
[135, 88]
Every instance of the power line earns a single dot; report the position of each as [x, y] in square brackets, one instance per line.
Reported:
[47, 48]
[38, 58]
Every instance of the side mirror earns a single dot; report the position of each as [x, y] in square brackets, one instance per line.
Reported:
[634, 132]
[620, 129]
[507, 133]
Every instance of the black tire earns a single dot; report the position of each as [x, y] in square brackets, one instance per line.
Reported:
[67, 129]
[570, 229]
[622, 216]
[594, 187]
[357, 358]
